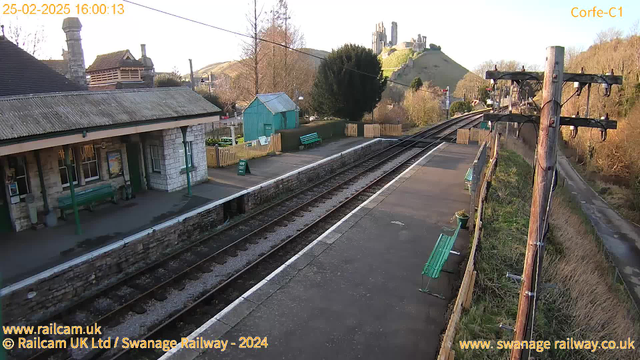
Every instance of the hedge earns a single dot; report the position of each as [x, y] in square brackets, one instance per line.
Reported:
[325, 129]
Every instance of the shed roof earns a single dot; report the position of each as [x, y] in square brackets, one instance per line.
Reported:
[277, 102]
[21, 73]
[32, 115]
[114, 60]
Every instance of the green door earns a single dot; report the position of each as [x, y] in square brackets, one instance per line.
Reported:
[268, 130]
[133, 158]
[5, 217]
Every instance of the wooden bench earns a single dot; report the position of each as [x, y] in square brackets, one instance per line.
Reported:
[87, 197]
[438, 257]
[310, 139]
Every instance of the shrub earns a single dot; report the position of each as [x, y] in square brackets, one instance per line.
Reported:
[423, 106]
[460, 107]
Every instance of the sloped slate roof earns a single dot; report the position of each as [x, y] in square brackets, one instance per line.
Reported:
[113, 60]
[277, 102]
[33, 115]
[60, 66]
[21, 73]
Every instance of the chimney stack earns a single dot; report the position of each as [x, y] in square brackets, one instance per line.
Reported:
[71, 27]
[143, 50]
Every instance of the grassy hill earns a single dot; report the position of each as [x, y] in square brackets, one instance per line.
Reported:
[431, 65]
[232, 68]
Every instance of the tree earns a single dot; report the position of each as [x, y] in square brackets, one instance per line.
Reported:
[416, 84]
[608, 35]
[460, 107]
[468, 87]
[28, 40]
[348, 83]
[171, 79]
[251, 54]
[423, 107]
[211, 97]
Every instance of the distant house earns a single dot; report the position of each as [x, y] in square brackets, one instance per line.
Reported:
[268, 113]
[121, 70]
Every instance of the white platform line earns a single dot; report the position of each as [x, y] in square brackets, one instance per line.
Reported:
[121, 243]
[256, 287]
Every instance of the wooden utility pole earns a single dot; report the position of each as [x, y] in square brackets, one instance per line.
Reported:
[544, 168]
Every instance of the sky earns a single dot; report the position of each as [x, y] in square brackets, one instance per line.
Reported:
[470, 32]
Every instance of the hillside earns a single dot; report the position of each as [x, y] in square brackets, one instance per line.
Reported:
[432, 65]
[232, 68]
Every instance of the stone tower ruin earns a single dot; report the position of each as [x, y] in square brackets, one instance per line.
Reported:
[379, 39]
[394, 34]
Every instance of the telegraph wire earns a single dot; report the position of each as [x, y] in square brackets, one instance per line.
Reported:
[259, 38]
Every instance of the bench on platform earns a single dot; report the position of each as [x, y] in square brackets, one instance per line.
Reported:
[87, 197]
[468, 179]
[310, 139]
[438, 257]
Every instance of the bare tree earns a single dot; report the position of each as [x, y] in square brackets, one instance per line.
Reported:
[251, 57]
[608, 35]
[29, 40]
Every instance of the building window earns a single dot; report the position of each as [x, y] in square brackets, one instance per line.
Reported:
[18, 173]
[64, 175]
[90, 163]
[156, 158]
[189, 155]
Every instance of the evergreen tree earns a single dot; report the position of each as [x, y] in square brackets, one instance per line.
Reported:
[349, 83]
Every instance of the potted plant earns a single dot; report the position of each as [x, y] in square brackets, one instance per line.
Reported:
[462, 218]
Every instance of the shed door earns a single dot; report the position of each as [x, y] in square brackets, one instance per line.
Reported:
[268, 130]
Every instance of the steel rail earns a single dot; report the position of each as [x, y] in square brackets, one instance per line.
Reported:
[299, 233]
[157, 264]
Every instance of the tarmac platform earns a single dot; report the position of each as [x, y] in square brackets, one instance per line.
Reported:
[30, 252]
[353, 292]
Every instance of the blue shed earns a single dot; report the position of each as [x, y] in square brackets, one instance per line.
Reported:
[268, 113]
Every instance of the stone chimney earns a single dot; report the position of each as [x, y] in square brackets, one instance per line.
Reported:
[71, 27]
[148, 73]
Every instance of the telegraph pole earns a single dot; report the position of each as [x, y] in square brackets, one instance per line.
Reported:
[543, 182]
[193, 86]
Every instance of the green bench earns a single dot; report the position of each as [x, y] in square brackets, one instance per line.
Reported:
[438, 257]
[468, 179]
[310, 139]
[87, 197]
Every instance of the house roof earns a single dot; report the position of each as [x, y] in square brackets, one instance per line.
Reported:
[277, 102]
[63, 113]
[60, 66]
[21, 73]
[114, 60]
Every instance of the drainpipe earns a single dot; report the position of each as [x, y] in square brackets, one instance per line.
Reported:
[42, 185]
[186, 158]
[67, 161]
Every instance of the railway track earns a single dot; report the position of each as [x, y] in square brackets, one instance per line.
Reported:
[199, 263]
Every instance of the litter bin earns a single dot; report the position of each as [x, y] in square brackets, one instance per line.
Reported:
[33, 209]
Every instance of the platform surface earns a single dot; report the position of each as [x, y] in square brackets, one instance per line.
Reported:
[354, 292]
[29, 252]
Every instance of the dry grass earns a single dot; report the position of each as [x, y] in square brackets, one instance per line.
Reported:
[600, 308]
[585, 303]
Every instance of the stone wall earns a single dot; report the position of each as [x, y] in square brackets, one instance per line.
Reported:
[174, 157]
[60, 287]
